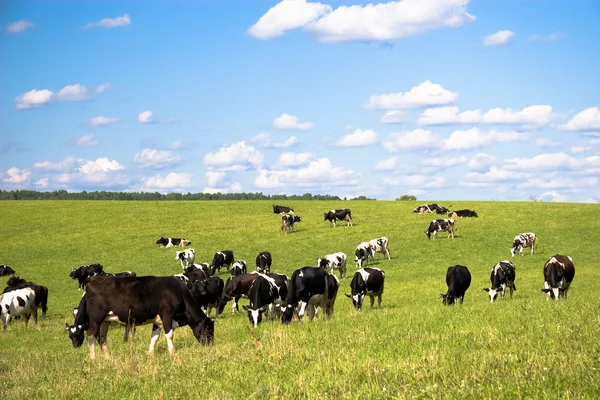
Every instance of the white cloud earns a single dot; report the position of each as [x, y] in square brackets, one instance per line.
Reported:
[286, 15]
[543, 142]
[110, 23]
[15, 175]
[358, 138]
[62, 166]
[394, 117]
[265, 141]
[173, 182]
[473, 138]
[416, 182]
[482, 161]
[410, 140]
[175, 145]
[88, 167]
[577, 149]
[533, 116]
[233, 188]
[157, 159]
[559, 183]
[19, 26]
[145, 117]
[555, 161]
[86, 140]
[286, 121]
[39, 98]
[214, 178]
[317, 173]
[553, 196]
[75, 92]
[389, 21]
[33, 99]
[495, 174]
[548, 38]
[237, 156]
[586, 120]
[42, 183]
[424, 94]
[103, 88]
[290, 160]
[498, 38]
[103, 121]
[387, 165]
[444, 162]
[101, 172]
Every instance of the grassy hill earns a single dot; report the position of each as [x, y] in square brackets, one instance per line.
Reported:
[411, 347]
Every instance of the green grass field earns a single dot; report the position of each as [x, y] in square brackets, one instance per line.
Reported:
[413, 347]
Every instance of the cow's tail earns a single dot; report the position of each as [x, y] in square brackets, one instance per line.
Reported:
[44, 300]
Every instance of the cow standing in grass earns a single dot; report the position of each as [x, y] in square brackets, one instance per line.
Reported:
[440, 225]
[366, 282]
[501, 277]
[559, 272]
[521, 241]
[16, 303]
[458, 279]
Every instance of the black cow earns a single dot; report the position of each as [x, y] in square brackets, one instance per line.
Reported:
[441, 210]
[171, 242]
[440, 225]
[366, 282]
[308, 287]
[463, 213]
[502, 277]
[263, 262]
[163, 301]
[239, 267]
[335, 215]
[6, 270]
[458, 279]
[195, 275]
[267, 292]
[85, 271]
[207, 293]
[282, 210]
[41, 292]
[559, 272]
[220, 259]
[288, 221]
[235, 288]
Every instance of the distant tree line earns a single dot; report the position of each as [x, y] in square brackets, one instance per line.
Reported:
[103, 195]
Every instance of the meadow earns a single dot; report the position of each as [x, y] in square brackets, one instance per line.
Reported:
[413, 347]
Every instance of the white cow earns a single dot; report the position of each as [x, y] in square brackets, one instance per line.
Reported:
[380, 245]
[18, 302]
[186, 257]
[332, 262]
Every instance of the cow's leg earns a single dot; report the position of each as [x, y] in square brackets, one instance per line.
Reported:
[379, 300]
[154, 338]
[91, 345]
[169, 333]
[372, 299]
[547, 286]
[26, 319]
[102, 335]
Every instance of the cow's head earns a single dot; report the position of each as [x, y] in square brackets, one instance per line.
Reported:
[323, 263]
[428, 233]
[204, 331]
[516, 247]
[554, 293]
[297, 218]
[493, 293]
[161, 240]
[357, 300]
[255, 315]
[74, 273]
[447, 299]
[76, 334]
[287, 313]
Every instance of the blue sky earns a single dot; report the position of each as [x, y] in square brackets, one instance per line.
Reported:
[443, 99]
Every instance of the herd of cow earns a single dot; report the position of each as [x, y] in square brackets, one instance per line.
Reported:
[188, 298]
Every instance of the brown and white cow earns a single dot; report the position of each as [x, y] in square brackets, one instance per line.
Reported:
[440, 225]
[521, 241]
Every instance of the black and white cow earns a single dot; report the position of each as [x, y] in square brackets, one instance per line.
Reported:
[501, 277]
[458, 279]
[41, 292]
[333, 284]
[186, 257]
[84, 272]
[208, 293]
[463, 213]
[221, 258]
[380, 245]
[163, 301]
[239, 267]
[338, 215]
[16, 303]
[559, 272]
[171, 242]
[263, 262]
[236, 287]
[521, 241]
[308, 286]
[441, 210]
[424, 209]
[362, 254]
[288, 222]
[334, 261]
[282, 210]
[204, 267]
[366, 282]
[440, 225]
[6, 270]
[267, 292]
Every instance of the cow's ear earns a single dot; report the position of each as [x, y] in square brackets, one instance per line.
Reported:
[66, 326]
[348, 296]
[486, 289]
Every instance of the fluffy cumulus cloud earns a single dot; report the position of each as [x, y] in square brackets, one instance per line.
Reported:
[156, 159]
[415, 182]
[387, 165]
[16, 176]
[172, 182]
[555, 162]
[552, 196]
[62, 166]
[474, 138]
[109, 23]
[482, 161]
[533, 116]
[99, 172]
[286, 15]
[38, 98]
[495, 174]
[33, 99]
[498, 38]
[290, 160]
[558, 183]
[586, 120]
[358, 138]
[235, 157]
[145, 117]
[19, 26]
[418, 139]
[318, 173]
[424, 94]
[287, 121]
[86, 140]
[103, 121]
[444, 161]
[265, 141]
[394, 117]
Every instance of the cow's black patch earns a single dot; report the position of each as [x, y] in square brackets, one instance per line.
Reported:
[21, 301]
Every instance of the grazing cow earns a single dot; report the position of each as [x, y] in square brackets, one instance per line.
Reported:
[332, 262]
[333, 284]
[204, 267]
[424, 209]
[380, 245]
[207, 293]
[84, 272]
[458, 279]
[41, 292]
[463, 213]
[220, 259]
[308, 287]
[163, 301]
[18, 302]
[362, 254]
[282, 210]
[195, 275]
[521, 241]
[171, 242]
[366, 282]
[338, 215]
[239, 267]
[440, 225]
[235, 288]
[502, 276]
[263, 262]
[559, 272]
[186, 257]
[264, 293]
[288, 221]
[6, 270]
